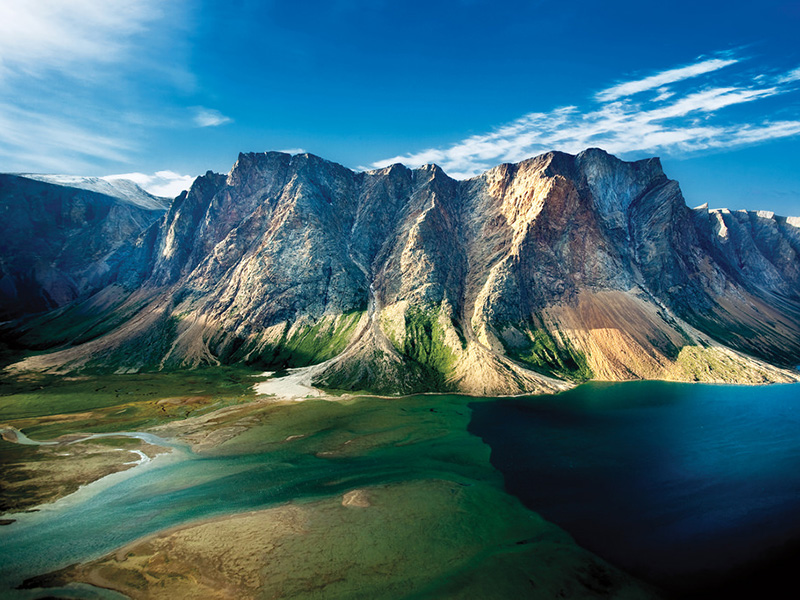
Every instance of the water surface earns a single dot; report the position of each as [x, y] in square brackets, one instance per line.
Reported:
[693, 487]
[332, 447]
[680, 484]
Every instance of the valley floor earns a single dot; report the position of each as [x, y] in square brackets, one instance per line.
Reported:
[263, 496]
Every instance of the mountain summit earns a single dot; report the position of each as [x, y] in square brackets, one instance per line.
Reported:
[526, 278]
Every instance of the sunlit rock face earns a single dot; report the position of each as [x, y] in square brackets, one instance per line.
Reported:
[526, 278]
[60, 237]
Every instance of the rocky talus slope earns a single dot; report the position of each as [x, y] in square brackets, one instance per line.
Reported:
[526, 278]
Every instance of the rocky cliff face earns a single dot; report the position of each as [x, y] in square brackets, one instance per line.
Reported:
[61, 237]
[526, 278]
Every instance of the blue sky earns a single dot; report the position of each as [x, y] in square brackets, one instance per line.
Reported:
[165, 90]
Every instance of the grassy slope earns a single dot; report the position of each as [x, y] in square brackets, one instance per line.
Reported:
[423, 346]
[306, 345]
[542, 352]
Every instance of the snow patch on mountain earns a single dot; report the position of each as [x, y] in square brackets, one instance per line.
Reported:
[124, 189]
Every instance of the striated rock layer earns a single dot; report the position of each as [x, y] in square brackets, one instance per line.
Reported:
[524, 279]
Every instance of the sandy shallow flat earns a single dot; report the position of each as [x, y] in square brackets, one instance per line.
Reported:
[413, 539]
[294, 386]
[445, 529]
[43, 474]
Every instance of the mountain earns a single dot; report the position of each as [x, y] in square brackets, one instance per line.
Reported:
[122, 189]
[60, 235]
[526, 278]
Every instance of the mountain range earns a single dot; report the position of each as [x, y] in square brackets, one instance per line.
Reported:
[528, 278]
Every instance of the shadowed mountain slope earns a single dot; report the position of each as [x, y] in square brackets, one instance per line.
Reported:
[524, 279]
[61, 241]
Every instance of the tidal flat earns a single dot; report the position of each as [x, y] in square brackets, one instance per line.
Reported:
[63, 412]
[431, 496]
[260, 498]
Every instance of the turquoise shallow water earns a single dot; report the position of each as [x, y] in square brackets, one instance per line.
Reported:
[670, 481]
[345, 445]
[693, 487]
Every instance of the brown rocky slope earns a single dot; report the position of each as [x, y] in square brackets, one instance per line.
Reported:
[524, 279]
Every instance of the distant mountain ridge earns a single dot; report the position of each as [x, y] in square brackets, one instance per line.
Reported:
[526, 278]
[123, 189]
[59, 236]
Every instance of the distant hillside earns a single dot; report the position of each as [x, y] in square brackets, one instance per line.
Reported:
[59, 241]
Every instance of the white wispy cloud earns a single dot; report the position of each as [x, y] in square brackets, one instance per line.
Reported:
[791, 76]
[209, 117]
[42, 35]
[162, 183]
[663, 94]
[73, 73]
[43, 142]
[678, 118]
[658, 80]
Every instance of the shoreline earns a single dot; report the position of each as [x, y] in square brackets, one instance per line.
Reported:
[230, 421]
[272, 390]
[88, 490]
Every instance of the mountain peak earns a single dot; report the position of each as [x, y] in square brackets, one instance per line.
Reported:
[433, 170]
[558, 268]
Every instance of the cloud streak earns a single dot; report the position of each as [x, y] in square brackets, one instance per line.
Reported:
[76, 80]
[791, 76]
[54, 35]
[676, 117]
[629, 88]
[53, 143]
[209, 117]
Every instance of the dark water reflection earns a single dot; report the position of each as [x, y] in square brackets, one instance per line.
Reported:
[693, 487]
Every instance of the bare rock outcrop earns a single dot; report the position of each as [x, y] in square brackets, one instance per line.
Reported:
[527, 278]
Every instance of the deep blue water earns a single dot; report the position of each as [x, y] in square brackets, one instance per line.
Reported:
[695, 488]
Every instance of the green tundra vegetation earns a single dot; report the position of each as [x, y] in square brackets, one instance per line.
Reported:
[88, 403]
[542, 352]
[424, 344]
